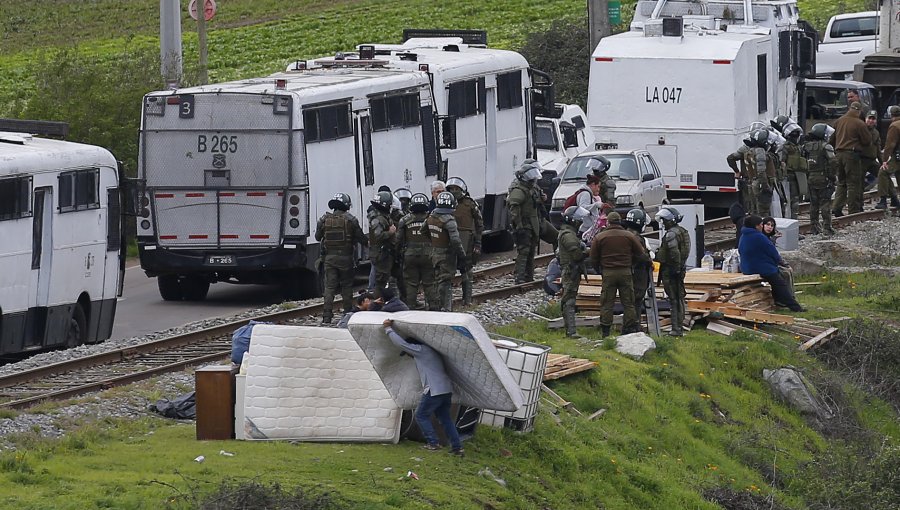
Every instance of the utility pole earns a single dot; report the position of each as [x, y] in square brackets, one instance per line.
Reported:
[598, 21]
[201, 39]
[170, 41]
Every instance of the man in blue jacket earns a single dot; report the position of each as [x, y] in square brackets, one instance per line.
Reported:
[436, 393]
[759, 256]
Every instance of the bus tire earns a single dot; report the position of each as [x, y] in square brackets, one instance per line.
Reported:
[76, 332]
[169, 287]
[194, 289]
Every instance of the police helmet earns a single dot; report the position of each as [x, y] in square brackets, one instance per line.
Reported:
[819, 131]
[383, 200]
[780, 122]
[418, 203]
[792, 131]
[403, 194]
[340, 201]
[636, 218]
[598, 165]
[446, 200]
[457, 182]
[574, 215]
[529, 171]
[669, 215]
[759, 137]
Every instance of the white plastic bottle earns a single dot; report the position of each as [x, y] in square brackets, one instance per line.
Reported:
[707, 262]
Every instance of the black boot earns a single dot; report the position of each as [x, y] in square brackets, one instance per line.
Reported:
[604, 331]
[837, 213]
[895, 201]
[882, 204]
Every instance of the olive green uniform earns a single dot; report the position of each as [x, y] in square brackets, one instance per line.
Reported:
[381, 247]
[338, 233]
[850, 139]
[742, 174]
[524, 202]
[418, 269]
[760, 166]
[571, 259]
[446, 247]
[821, 162]
[886, 187]
[794, 163]
[674, 249]
[871, 155]
[608, 189]
[640, 271]
[615, 250]
[471, 227]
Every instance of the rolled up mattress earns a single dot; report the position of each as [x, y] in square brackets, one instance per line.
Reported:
[480, 376]
[314, 384]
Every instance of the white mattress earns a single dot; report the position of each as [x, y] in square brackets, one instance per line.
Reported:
[314, 384]
[480, 377]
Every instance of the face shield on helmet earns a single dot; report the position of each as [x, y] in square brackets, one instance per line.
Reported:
[446, 200]
[819, 131]
[457, 182]
[418, 203]
[530, 171]
[403, 193]
[574, 215]
[780, 122]
[792, 131]
[598, 165]
[759, 137]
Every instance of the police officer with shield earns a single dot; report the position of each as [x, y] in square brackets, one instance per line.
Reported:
[338, 233]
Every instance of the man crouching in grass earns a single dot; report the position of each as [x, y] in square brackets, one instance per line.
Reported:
[437, 390]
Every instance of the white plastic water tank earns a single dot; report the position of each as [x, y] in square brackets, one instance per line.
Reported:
[790, 234]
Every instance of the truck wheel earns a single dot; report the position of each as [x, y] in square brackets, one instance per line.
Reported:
[169, 287]
[194, 289]
[76, 332]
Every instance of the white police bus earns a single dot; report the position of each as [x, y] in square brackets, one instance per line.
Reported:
[61, 258]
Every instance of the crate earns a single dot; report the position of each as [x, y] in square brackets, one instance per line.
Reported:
[526, 362]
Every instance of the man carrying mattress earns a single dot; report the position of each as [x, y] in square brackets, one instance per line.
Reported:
[437, 391]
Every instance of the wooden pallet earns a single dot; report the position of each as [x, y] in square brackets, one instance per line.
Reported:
[562, 365]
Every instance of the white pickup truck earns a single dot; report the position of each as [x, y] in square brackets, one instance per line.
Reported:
[848, 39]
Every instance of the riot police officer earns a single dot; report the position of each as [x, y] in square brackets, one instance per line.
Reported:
[821, 162]
[415, 244]
[524, 203]
[338, 233]
[761, 167]
[674, 249]
[381, 239]
[572, 253]
[446, 247]
[471, 226]
[635, 221]
[600, 167]
[795, 166]
[404, 196]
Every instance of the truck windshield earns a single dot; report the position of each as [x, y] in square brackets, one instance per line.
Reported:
[622, 167]
[545, 136]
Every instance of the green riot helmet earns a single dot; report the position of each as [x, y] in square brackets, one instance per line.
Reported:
[383, 200]
[446, 200]
[669, 216]
[636, 219]
[598, 165]
[457, 186]
[792, 132]
[418, 203]
[574, 215]
[759, 137]
[780, 122]
[340, 202]
[530, 171]
[819, 131]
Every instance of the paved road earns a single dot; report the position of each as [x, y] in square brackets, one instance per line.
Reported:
[141, 311]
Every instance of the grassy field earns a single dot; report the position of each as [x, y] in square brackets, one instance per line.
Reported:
[693, 418]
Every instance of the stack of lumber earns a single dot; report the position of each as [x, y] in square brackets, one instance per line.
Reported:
[562, 365]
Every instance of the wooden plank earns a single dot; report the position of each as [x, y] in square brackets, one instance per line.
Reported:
[721, 328]
[767, 318]
[819, 340]
[739, 327]
[584, 367]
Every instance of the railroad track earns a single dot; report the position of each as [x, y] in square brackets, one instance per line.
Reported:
[132, 364]
[125, 366]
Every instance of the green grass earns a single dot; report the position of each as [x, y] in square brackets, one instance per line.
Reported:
[694, 415]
